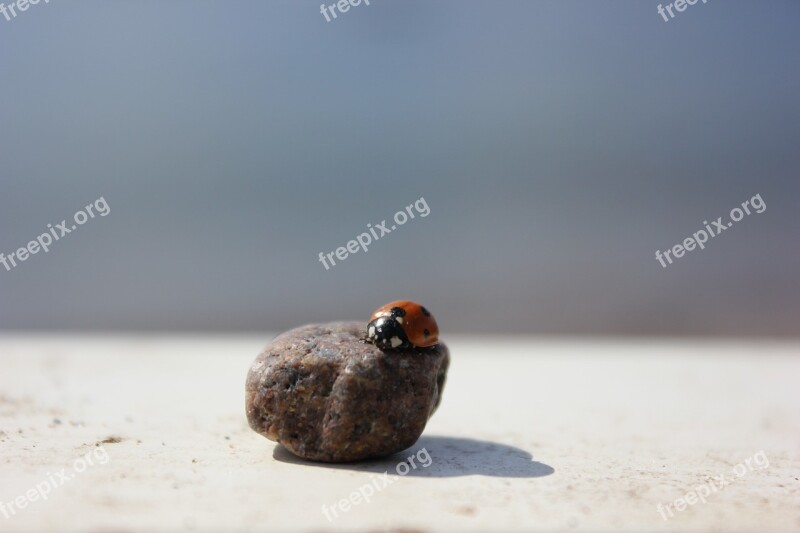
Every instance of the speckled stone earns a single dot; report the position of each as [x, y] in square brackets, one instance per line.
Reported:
[327, 394]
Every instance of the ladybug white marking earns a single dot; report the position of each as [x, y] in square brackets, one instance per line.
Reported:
[396, 342]
[372, 332]
[399, 319]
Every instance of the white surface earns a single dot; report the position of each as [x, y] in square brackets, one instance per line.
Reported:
[613, 428]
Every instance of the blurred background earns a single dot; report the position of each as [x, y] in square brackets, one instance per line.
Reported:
[558, 145]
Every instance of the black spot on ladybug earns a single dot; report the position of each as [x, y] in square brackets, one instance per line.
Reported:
[426, 333]
[424, 311]
[398, 311]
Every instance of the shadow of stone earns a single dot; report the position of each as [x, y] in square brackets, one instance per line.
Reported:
[434, 456]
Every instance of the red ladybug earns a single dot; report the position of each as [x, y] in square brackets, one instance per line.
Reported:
[402, 324]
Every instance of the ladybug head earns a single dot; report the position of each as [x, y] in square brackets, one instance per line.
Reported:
[387, 333]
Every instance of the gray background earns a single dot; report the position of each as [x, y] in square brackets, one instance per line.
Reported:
[558, 145]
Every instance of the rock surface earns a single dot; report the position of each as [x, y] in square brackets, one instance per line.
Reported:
[327, 394]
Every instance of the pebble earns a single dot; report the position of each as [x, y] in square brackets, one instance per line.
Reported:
[327, 394]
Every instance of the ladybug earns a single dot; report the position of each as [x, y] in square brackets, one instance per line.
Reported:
[402, 324]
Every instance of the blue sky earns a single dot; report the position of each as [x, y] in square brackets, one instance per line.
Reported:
[558, 144]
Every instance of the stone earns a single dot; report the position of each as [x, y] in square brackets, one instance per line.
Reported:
[327, 394]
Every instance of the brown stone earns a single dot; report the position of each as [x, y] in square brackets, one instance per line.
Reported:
[327, 394]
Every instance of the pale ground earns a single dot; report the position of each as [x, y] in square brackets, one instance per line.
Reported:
[532, 435]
